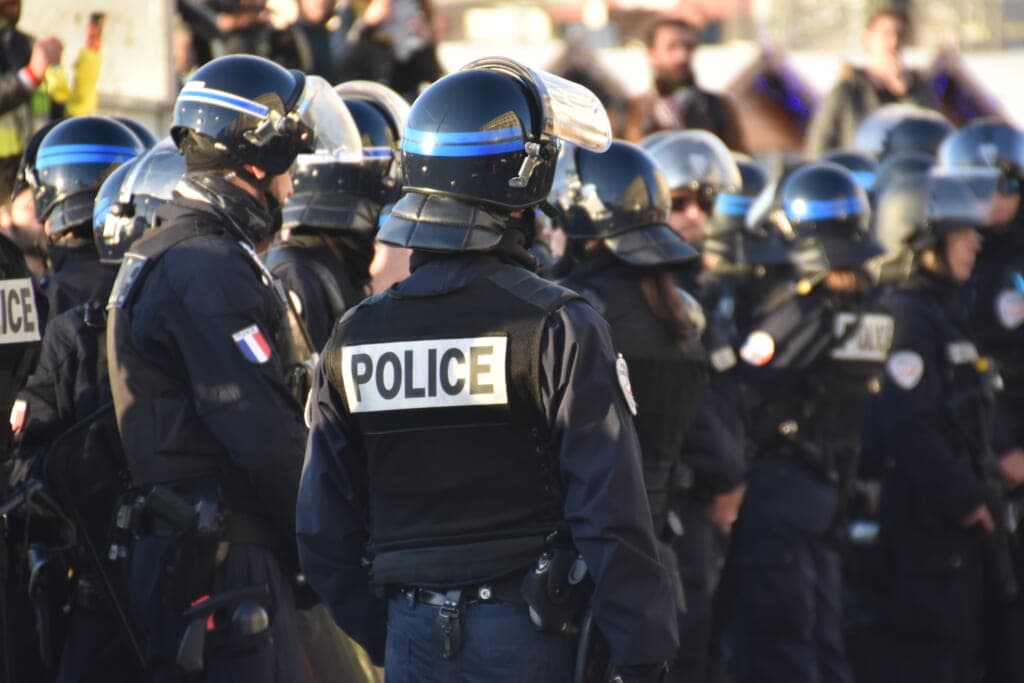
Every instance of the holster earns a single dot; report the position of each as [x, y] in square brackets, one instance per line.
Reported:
[556, 590]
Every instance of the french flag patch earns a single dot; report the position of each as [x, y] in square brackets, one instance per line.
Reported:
[252, 344]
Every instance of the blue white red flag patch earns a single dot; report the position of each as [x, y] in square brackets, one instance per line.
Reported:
[253, 344]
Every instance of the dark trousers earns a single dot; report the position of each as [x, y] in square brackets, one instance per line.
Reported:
[499, 645]
[275, 660]
[789, 587]
[699, 554]
[96, 650]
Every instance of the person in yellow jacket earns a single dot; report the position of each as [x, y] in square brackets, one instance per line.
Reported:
[59, 97]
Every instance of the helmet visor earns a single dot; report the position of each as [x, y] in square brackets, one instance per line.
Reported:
[964, 197]
[323, 112]
[394, 104]
[571, 112]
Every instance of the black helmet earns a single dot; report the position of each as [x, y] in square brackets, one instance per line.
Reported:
[861, 165]
[985, 143]
[145, 135]
[957, 200]
[902, 129]
[241, 109]
[121, 218]
[26, 177]
[696, 160]
[620, 197]
[486, 139]
[829, 216]
[336, 195]
[73, 159]
[108, 226]
[900, 166]
[728, 234]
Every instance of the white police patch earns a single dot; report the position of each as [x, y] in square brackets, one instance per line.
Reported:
[1010, 308]
[435, 373]
[622, 372]
[961, 352]
[905, 368]
[869, 341]
[19, 321]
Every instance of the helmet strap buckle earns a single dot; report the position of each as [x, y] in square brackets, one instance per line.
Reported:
[534, 157]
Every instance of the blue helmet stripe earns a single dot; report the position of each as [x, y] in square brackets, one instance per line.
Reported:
[64, 149]
[468, 137]
[203, 95]
[435, 150]
[377, 152]
[865, 179]
[83, 158]
[733, 204]
[823, 209]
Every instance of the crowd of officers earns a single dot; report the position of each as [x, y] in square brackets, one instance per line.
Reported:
[650, 411]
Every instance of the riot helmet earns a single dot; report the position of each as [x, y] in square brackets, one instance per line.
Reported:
[106, 229]
[829, 217]
[241, 110]
[988, 143]
[961, 199]
[26, 176]
[338, 195]
[122, 216]
[861, 165]
[696, 160]
[621, 198]
[902, 129]
[899, 166]
[482, 143]
[900, 211]
[728, 235]
[73, 159]
[145, 135]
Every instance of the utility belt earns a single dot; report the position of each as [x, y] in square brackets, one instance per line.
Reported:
[555, 591]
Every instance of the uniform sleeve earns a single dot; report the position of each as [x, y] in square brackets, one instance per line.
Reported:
[331, 525]
[912, 423]
[606, 505]
[314, 308]
[221, 330]
[714, 445]
[49, 392]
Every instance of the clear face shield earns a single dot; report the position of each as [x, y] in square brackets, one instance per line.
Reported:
[696, 159]
[319, 114]
[970, 197]
[569, 113]
[381, 95]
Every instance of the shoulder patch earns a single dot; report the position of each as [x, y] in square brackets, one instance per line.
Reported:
[961, 352]
[1010, 308]
[723, 358]
[253, 345]
[622, 372]
[758, 349]
[296, 301]
[905, 368]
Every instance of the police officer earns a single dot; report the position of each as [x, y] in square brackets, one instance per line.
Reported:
[991, 148]
[815, 352]
[69, 387]
[450, 413]
[72, 161]
[697, 166]
[198, 350]
[932, 426]
[332, 217]
[861, 165]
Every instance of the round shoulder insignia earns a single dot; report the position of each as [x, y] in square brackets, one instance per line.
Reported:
[1010, 308]
[622, 371]
[758, 349]
[296, 301]
[905, 368]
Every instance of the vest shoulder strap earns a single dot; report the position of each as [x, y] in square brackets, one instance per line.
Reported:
[530, 287]
[332, 285]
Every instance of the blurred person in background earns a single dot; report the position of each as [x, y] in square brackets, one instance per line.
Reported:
[676, 101]
[884, 79]
[312, 43]
[393, 42]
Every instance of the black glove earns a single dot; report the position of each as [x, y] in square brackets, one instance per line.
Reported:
[641, 673]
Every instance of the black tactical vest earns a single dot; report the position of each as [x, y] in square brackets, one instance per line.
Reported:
[149, 399]
[445, 392]
[20, 331]
[666, 380]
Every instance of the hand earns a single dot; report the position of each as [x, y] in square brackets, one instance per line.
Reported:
[982, 517]
[376, 12]
[1011, 464]
[45, 53]
[724, 508]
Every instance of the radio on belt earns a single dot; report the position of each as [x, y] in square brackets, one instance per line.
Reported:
[435, 373]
